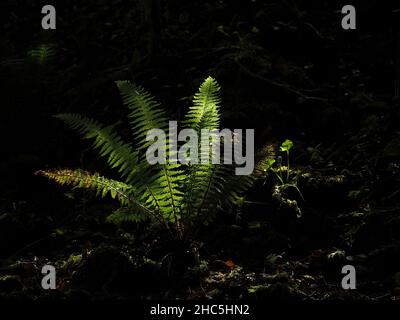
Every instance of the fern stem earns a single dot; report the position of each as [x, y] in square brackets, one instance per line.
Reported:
[288, 167]
[161, 218]
[172, 198]
[207, 190]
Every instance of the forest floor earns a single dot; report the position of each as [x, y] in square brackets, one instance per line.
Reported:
[285, 72]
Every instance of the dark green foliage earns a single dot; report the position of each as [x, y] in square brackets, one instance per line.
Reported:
[286, 178]
[42, 54]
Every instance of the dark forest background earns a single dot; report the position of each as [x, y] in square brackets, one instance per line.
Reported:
[286, 68]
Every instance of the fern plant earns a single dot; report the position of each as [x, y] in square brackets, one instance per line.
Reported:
[178, 197]
[42, 54]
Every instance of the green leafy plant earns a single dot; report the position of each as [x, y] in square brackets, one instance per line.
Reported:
[287, 178]
[178, 197]
[285, 147]
[42, 54]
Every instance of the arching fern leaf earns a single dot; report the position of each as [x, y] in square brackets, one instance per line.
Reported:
[42, 54]
[204, 113]
[106, 141]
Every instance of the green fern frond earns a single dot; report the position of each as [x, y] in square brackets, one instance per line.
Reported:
[119, 155]
[145, 114]
[161, 189]
[126, 214]
[93, 181]
[204, 113]
[100, 185]
[42, 54]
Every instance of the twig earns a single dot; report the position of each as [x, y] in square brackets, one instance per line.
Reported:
[392, 195]
[280, 85]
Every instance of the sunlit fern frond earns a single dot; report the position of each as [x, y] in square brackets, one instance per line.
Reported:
[107, 142]
[204, 113]
[145, 112]
[118, 154]
[42, 54]
[164, 184]
[162, 187]
[126, 214]
[83, 179]
[101, 186]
